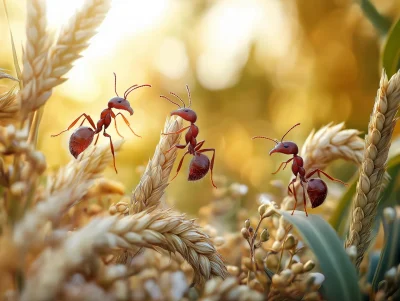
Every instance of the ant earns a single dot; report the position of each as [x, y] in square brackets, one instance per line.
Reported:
[200, 164]
[83, 135]
[317, 190]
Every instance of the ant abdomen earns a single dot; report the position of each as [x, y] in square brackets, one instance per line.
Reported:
[317, 191]
[80, 140]
[199, 167]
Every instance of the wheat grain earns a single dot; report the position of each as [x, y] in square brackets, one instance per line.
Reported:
[72, 39]
[154, 180]
[64, 190]
[377, 144]
[162, 229]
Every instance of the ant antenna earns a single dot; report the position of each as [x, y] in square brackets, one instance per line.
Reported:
[115, 84]
[172, 93]
[162, 96]
[128, 89]
[190, 98]
[275, 140]
[290, 130]
[134, 87]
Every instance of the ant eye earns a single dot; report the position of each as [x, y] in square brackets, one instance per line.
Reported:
[119, 101]
[285, 146]
[186, 111]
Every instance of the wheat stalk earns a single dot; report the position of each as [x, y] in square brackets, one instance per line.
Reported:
[155, 179]
[72, 39]
[64, 190]
[377, 144]
[162, 229]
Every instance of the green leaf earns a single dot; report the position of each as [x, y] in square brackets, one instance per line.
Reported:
[391, 50]
[390, 255]
[341, 280]
[381, 23]
[339, 218]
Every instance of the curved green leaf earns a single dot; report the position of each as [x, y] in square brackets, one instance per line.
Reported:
[391, 50]
[341, 281]
[339, 218]
[390, 255]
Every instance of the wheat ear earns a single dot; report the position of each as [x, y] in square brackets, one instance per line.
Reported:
[155, 179]
[162, 229]
[377, 144]
[64, 190]
[36, 50]
[72, 39]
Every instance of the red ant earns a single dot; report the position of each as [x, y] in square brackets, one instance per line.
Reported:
[83, 136]
[316, 188]
[200, 164]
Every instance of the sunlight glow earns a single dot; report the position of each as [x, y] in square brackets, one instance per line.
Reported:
[125, 20]
[228, 29]
[172, 59]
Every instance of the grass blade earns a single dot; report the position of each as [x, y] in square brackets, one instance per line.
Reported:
[390, 254]
[341, 280]
[391, 50]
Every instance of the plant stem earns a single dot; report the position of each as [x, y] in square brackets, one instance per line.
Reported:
[381, 23]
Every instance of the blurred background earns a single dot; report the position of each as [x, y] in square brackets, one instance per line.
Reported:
[254, 67]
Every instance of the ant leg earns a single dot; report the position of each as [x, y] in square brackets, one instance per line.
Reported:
[318, 171]
[291, 182]
[97, 139]
[127, 123]
[295, 197]
[112, 148]
[280, 166]
[180, 165]
[212, 161]
[180, 146]
[116, 128]
[75, 121]
[304, 197]
[199, 145]
[178, 132]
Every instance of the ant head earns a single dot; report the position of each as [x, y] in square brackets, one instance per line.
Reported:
[283, 147]
[185, 112]
[122, 103]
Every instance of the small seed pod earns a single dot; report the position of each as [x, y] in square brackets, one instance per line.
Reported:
[251, 231]
[245, 233]
[247, 223]
[308, 266]
[264, 235]
[297, 268]
[290, 242]
[262, 209]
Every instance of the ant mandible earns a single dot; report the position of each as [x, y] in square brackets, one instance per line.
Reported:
[83, 135]
[200, 164]
[316, 188]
